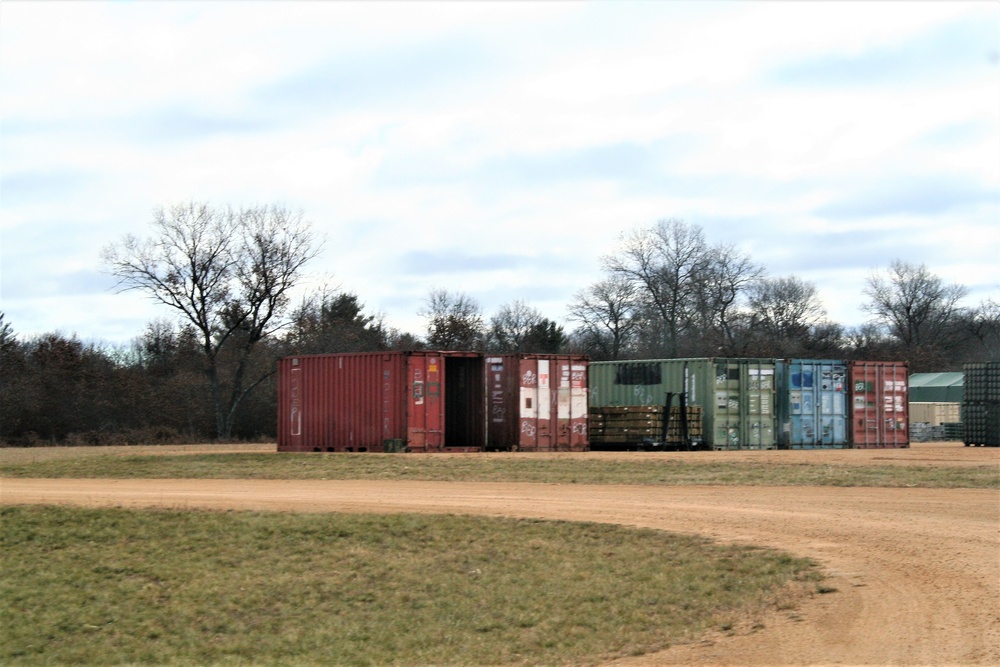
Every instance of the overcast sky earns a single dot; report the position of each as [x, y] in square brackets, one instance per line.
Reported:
[499, 149]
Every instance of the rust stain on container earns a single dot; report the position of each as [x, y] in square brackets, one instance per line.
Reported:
[381, 401]
[537, 402]
[879, 404]
[432, 401]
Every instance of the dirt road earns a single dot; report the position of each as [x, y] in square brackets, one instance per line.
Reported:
[916, 571]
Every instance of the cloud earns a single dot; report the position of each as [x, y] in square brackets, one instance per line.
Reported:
[429, 263]
[960, 133]
[76, 283]
[431, 73]
[630, 164]
[625, 162]
[181, 125]
[922, 195]
[952, 51]
[23, 188]
[500, 147]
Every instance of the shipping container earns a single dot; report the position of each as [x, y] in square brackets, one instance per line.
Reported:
[737, 396]
[934, 414]
[812, 403]
[981, 404]
[390, 401]
[879, 404]
[537, 402]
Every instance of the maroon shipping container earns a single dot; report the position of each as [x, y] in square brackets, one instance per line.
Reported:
[537, 402]
[392, 401]
[879, 404]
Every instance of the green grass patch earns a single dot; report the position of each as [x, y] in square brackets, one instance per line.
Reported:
[118, 586]
[496, 469]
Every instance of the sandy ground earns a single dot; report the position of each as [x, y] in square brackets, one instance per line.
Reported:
[916, 571]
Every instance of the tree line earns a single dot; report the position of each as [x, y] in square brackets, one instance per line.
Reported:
[226, 277]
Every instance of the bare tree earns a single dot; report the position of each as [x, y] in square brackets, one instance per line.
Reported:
[985, 328]
[870, 342]
[916, 307]
[228, 273]
[663, 262]
[607, 315]
[8, 339]
[722, 283]
[454, 321]
[785, 307]
[518, 327]
[511, 327]
[786, 316]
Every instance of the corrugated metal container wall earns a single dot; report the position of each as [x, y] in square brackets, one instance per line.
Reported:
[537, 402]
[981, 404]
[879, 404]
[812, 397]
[423, 401]
[737, 396]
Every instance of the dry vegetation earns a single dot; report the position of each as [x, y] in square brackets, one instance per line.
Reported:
[924, 466]
[155, 586]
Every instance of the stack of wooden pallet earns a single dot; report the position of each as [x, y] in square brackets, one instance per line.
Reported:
[675, 428]
[633, 424]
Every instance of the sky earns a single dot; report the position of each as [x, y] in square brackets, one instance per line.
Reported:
[498, 149]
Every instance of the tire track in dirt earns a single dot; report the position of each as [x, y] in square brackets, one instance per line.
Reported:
[916, 571]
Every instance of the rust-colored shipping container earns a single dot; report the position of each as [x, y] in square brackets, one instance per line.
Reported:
[422, 401]
[879, 404]
[537, 402]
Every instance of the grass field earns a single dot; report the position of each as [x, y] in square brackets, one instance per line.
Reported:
[117, 587]
[157, 587]
[492, 469]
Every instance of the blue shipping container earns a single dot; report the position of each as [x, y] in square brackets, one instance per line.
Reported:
[812, 403]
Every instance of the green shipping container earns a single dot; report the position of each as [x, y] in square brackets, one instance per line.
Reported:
[737, 396]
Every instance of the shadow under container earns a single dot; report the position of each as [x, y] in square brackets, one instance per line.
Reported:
[812, 403]
[423, 401]
[879, 404]
[537, 402]
[737, 396]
